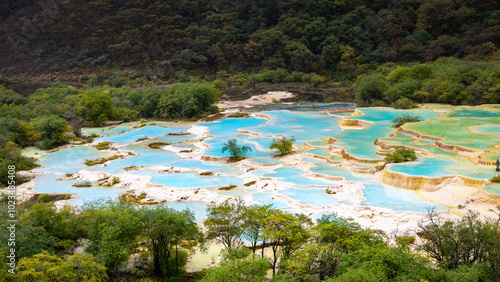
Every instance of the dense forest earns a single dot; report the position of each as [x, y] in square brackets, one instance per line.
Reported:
[127, 243]
[167, 38]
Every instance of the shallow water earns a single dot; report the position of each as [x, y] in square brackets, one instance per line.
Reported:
[296, 176]
[310, 196]
[381, 195]
[68, 161]
[475, 128]
[360, 142]
[303, 126]
[49, 183]
[144, 132]
[189, 179]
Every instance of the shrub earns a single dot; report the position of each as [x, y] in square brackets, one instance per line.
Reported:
[83, 184]
[283, 145]
[495, 179]
[102, 146]
[230, 187]
[400, 120]
[401, 155]
[371, 87]
[44, 198]
[316, 80]
[237, 152]
[404, 103]
[115, 180]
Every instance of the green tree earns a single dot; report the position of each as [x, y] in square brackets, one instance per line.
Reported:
[45, 267]
[10, 97]
[53, 131]
[112, 230]
[248, 269]
[237, 152]
[254, 220]
[167, 231]
[285, 232]
[189, 100]
[400, 120]
[400, 155]
[371, 87]
[468, 241]
[225, 222]
[283, 145]
[384, 263]
[64, 225]
[95, 107]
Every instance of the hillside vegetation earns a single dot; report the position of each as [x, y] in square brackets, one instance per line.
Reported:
[167, 38]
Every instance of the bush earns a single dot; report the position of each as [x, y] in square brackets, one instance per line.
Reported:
[102, 146]
[44, 198]
[237, 152]
[400, 120]
[405, 103]
[371, 87]
[495, 179]
[85, 183]
[316, 80]
[405, 89]
[283, 145]
[95, 107]
[9, 96]
[53, 131]
[401, 155]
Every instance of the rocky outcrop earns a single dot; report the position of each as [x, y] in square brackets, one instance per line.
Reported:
[386, 146]
[341, 110]
[438, 141]
[425, 183]
[348, 157]
[418, 135]
[358, 169]
[354, 123]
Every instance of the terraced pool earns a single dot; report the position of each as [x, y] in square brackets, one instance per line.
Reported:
[293, 183]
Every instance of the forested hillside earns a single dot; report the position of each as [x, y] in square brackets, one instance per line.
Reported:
[202, 36]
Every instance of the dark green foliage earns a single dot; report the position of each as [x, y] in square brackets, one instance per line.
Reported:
[447, 80]
[225, 223]
[237, 266]
[469, 241]
[402, 119]
[64, 225]
[166, 232]
[53, 131]
[495, 179]
[187, 101]
[159, 39]
[384, 263]
[371, 87]
[400, 155]
[283, 145]
[10, 97]
[237, 152]
[13, 157]
[404, 103]
[95, 106]
[112, 230]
